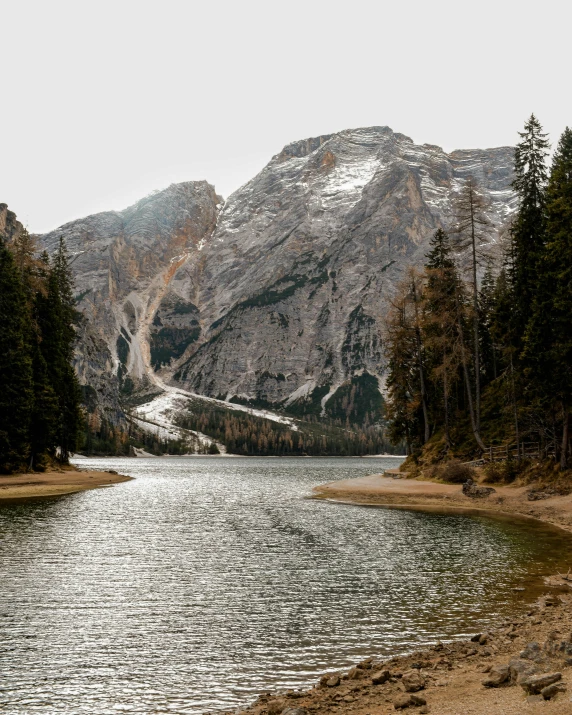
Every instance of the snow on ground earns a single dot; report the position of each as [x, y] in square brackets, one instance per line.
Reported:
[179, 392]
[158, 417]
[156, 429]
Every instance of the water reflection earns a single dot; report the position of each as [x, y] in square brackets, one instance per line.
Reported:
[206, 581]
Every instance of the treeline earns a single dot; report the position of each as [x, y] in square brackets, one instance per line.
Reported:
[101, 438]
[480, 357]
[40, 415]
[246, 434]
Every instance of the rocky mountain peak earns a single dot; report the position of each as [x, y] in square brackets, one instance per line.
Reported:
[279, 296]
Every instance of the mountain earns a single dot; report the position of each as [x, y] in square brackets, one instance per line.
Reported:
[276, 297]
[124, 263]
[10, 227]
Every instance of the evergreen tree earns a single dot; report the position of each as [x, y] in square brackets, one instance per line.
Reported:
[403, 387]
[528, 230]
[559, 250]
[487, 350]
[548, 342]
[44, 416]
[502, 329]
[440, 324]
[16, 385]
[56, 318]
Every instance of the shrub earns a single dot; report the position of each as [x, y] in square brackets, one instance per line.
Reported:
[494, 473]
[455, 472]
[503, 472]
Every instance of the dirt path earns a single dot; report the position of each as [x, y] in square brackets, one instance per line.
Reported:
[42, 484]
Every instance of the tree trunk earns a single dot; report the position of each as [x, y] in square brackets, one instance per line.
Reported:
[515, 411]
[420, 363]
[446, 401]
[476, 320]
[565, 439]
[474, 426]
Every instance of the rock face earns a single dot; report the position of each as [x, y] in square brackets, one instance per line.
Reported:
[279, 299]
[124, 263]
[10, 227]
[298, 273]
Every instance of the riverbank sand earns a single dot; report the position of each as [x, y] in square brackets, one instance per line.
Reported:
[52, 483]
[381, 490]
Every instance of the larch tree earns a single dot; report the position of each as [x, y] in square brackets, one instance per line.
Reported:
[471, 231]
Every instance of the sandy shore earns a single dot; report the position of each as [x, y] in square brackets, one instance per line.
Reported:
[455, 678]
[412, 493]
[450, 679]
[52, 483]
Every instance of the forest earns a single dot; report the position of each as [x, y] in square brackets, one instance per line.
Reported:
[41, 419]
[247, 434]
[479, 345]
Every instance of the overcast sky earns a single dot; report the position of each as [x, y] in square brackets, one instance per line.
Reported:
[104, 102]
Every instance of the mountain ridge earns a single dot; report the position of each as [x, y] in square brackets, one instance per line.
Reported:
[276, 296]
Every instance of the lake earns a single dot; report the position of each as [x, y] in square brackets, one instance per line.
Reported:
[206, 581]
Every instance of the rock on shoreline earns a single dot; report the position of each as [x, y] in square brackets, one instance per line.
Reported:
[523, 665]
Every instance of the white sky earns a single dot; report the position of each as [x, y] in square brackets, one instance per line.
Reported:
[104, 102]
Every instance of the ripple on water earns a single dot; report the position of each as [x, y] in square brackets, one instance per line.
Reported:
[206, 581]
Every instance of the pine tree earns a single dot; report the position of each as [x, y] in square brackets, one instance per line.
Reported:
[56, 317]
[548, 343]
[404, 391]
[489, 367]
[16, 386]
[416, 293]
[559, 250]
[440, 325]
[528, 230]
[502, 329]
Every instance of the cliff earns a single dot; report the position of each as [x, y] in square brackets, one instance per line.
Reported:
[276, 298]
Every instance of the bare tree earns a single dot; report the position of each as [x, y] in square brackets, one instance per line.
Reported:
[471, 231]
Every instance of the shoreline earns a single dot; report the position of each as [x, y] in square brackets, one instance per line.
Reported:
[496, 672]
[508, 501]
[479, 676]
[14, 487]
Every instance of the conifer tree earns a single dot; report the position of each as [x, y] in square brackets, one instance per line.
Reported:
[559, 250]
[404, 390]
[471, 231]
[548, 343]
[44, 417]
[440, 321]
[528, 230]
[56, 317]
[416, 293]
[487, 349]
[16, 386]
[504, 339]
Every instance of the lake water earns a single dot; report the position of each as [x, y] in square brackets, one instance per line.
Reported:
[209, 580]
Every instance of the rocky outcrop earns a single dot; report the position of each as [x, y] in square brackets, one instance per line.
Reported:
[124, 262]
[305, 257]
[10, 227]
[279, 299]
